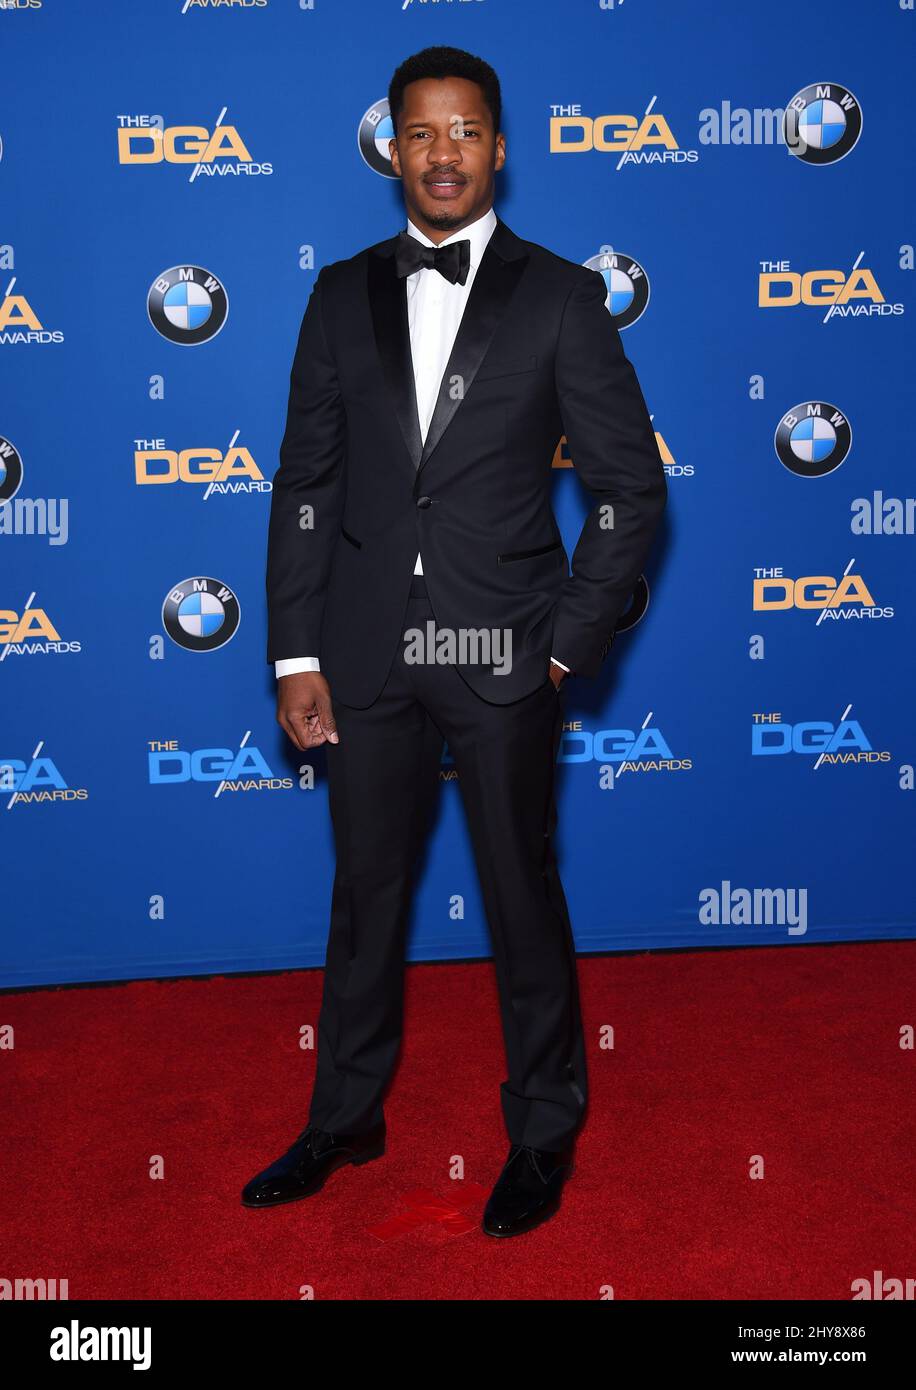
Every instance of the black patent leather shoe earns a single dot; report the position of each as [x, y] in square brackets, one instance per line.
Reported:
[309, 1162]
[527, 1190]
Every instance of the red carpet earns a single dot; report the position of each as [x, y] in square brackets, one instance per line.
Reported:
[791, 1054]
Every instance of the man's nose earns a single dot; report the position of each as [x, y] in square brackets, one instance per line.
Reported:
[444, 149]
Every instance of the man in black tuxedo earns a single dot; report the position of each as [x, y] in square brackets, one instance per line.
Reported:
[419, 592]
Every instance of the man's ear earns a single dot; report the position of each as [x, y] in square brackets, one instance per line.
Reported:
[393, 156]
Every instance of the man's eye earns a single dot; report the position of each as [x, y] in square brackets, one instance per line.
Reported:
[457, 134]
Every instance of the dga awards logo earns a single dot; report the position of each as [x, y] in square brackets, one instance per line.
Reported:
[31, 633]
[201, 614]
[813, 439]
[244, 769]
[20, 324]
[188, 5]
[10, 469]
[645, 749]
[645, 140]
[35, 782]
[187, 305]
[220, 153]
[842, 743]
[375, 130]
[844, 599]
[822, 123]
[846, 294]
[626, 283]
[209, 469]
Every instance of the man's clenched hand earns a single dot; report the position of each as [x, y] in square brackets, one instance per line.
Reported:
[304, 709]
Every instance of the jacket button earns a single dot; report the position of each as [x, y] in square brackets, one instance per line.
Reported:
[424, 502]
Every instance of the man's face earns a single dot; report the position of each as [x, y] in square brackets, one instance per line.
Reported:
[446, 154]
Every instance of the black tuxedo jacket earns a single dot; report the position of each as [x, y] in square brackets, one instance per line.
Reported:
[357, 493]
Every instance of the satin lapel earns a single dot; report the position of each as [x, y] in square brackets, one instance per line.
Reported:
[488, 300]
[388, 303]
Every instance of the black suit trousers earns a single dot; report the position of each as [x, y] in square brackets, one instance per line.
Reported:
[383, 778]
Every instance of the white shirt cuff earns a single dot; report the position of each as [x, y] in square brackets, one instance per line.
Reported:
[560, 664]
[293, 664]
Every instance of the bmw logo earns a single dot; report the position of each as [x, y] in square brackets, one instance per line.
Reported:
[375, 130]
[822, 123]
[10, 470]
[813, 439]
[201, 614]
[187, 305]
[627, 286]
[636, 608]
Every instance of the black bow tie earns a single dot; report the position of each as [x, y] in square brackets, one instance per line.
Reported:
[452, 261]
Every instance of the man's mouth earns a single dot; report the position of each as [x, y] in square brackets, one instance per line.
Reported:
[445, 185]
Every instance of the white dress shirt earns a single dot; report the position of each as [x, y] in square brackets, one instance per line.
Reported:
[434, 310]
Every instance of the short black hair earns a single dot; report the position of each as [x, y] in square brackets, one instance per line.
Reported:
[441, 61]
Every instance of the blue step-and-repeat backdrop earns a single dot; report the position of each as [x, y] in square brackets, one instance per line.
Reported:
[173, 173]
